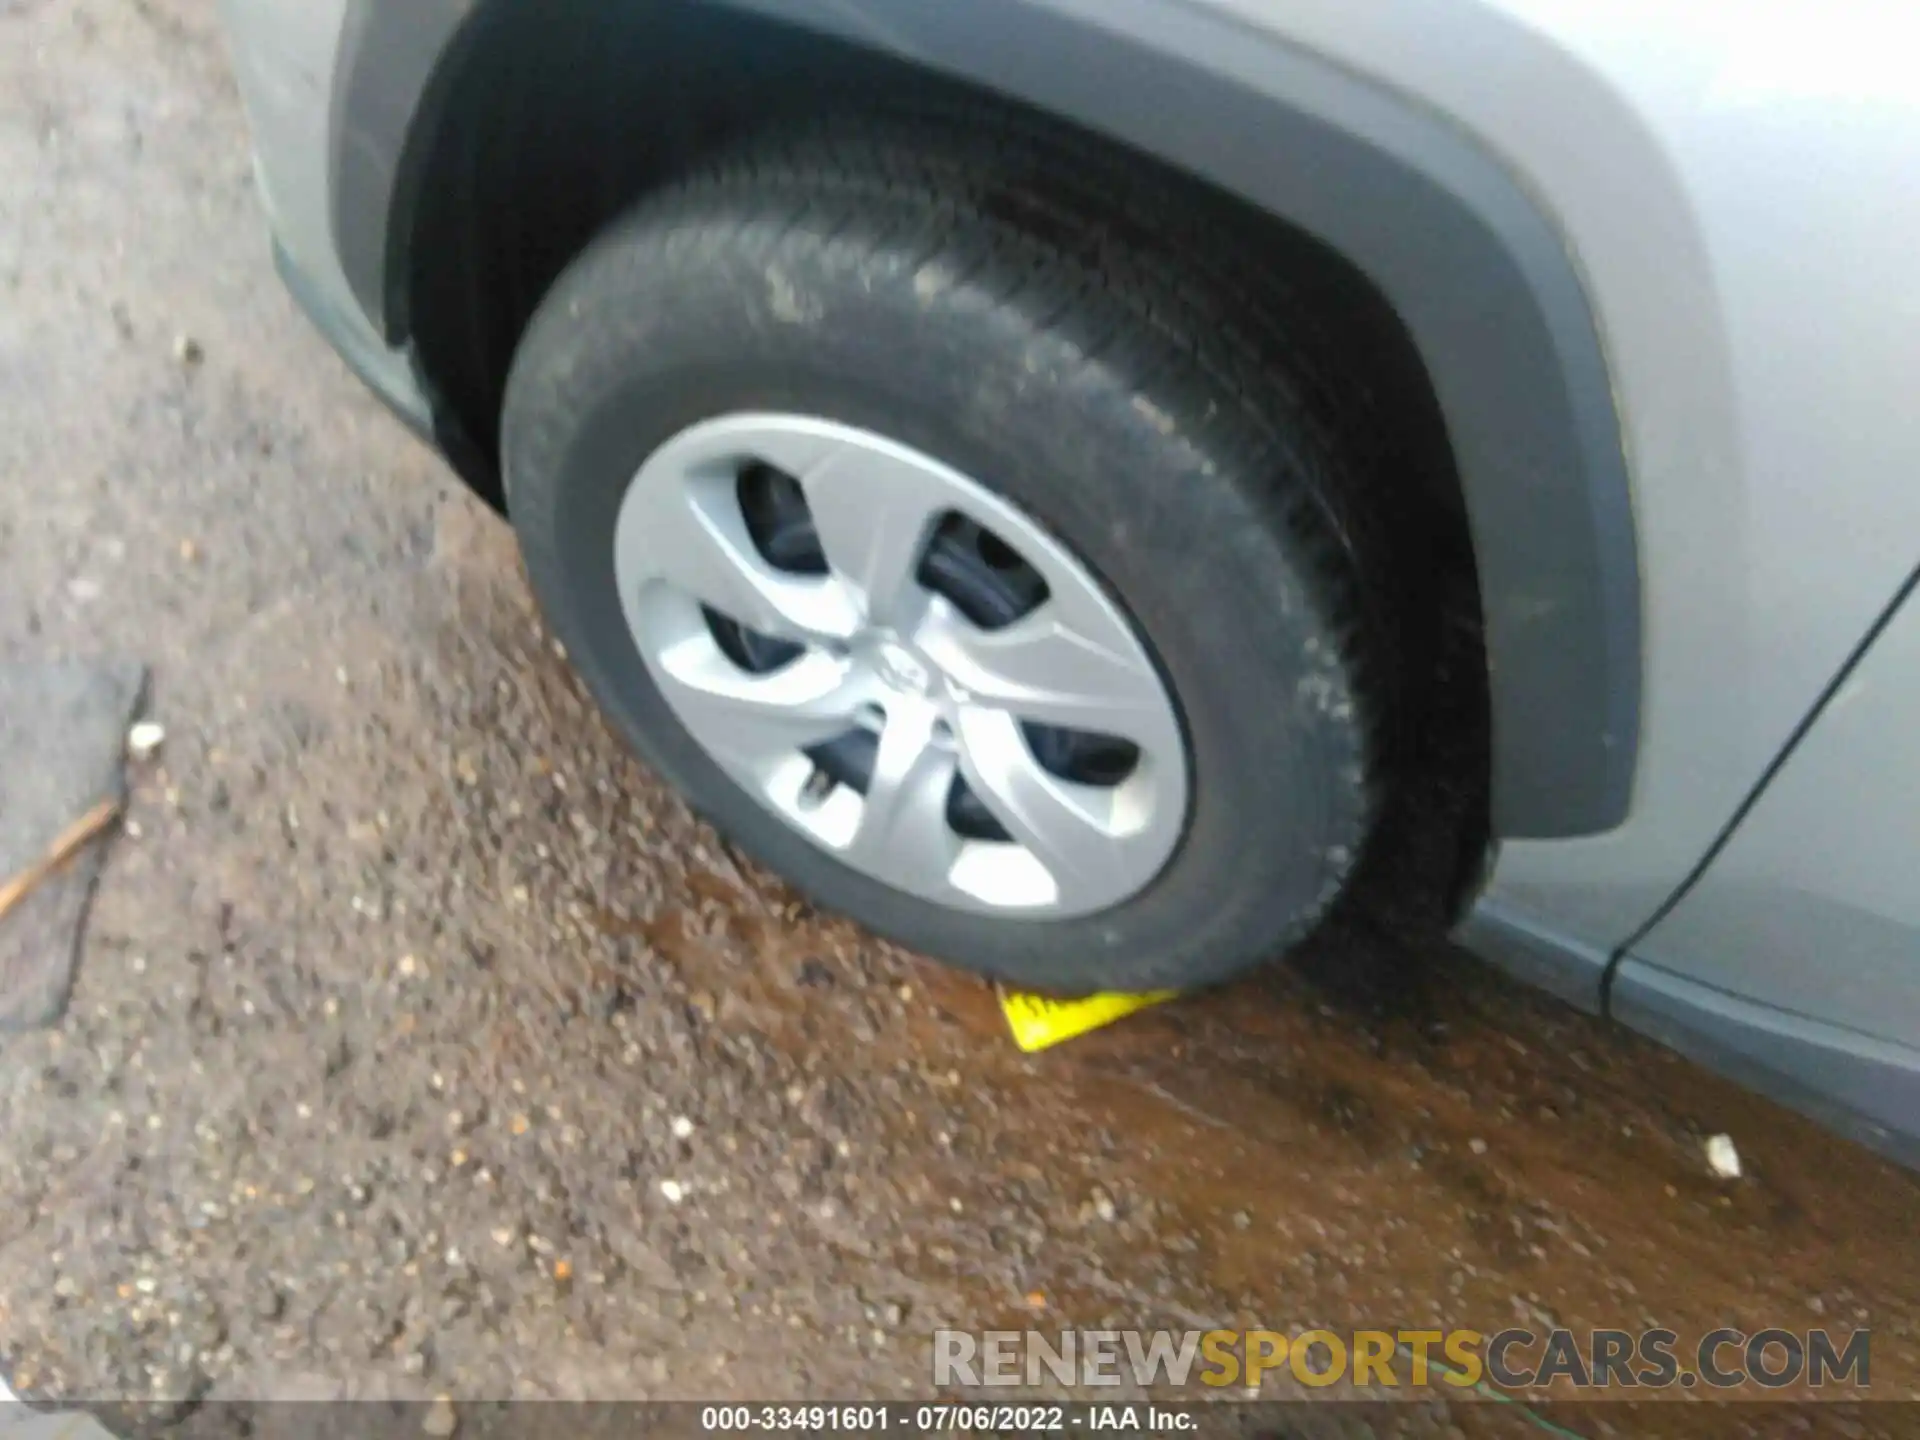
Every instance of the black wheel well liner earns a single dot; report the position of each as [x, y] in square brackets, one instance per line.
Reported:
[524, 127]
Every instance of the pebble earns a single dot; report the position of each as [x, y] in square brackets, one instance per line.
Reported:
[1722, 1158]
[145, 738]
[682, 1127]
[187, 350]
[673, 1190]
[1477, 1145]
[440, 1420]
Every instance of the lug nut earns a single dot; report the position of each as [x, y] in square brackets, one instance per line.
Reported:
[814, 793]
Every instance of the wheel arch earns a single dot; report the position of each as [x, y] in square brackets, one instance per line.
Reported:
[1477, 275]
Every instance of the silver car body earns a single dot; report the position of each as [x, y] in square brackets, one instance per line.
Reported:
[1731, 189]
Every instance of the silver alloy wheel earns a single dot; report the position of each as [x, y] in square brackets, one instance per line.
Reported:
[874, 647]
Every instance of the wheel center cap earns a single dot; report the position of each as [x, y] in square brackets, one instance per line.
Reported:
[902, 669]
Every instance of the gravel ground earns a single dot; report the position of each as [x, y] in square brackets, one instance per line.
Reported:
[425, 1043]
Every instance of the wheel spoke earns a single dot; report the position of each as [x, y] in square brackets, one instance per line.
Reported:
[903, 835]
[874, 515]
[1061, 823]
[692, 536]
[1051, 667]
[753, 720]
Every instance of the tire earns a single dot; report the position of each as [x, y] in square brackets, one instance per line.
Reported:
[967, 291]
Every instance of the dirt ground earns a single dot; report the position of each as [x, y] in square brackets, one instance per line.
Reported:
[425, 1043]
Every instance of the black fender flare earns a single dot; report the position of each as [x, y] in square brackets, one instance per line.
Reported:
[1480, 277]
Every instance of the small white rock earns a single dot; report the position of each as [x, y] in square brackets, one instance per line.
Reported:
[1722, 1158]
[674, 1191]
[440, 1420]
[682, 1127]
[145, 738]
[1477, 1145]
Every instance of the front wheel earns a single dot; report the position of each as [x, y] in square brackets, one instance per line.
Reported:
[954, 560]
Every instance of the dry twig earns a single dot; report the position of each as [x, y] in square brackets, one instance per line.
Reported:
[65, 846]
